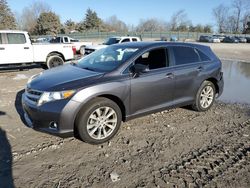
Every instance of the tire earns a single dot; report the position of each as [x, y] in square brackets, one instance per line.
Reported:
[54, 61]
[93, 126]
[204, 97]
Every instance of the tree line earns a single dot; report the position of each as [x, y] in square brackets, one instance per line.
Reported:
[233, 18]
[39, 19]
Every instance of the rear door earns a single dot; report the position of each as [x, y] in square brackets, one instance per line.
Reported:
[17, 49]
[188, 71]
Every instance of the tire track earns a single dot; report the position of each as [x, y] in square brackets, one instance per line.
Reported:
[41, 147]
[199, 168]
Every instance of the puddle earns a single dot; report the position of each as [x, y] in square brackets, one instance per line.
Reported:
[236, 82]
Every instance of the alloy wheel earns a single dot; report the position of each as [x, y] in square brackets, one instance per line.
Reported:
[206, 97]
[102, 122]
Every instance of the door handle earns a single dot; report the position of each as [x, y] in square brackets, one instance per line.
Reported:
[26, 48]
[170, 75]
[200, 68]
[2, 48]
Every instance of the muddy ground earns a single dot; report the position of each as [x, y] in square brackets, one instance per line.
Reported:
[178, 147]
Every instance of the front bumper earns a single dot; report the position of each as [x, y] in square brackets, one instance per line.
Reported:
[41, 118]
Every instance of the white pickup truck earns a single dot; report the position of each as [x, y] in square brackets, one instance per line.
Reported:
[112, 40]
[75, 42]
[16, 48]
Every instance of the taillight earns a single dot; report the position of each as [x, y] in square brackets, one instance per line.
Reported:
[74, 50]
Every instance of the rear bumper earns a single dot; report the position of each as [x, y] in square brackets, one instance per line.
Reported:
[43, 118]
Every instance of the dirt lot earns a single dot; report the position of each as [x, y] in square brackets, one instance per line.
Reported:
[175, 147]
[240, 52]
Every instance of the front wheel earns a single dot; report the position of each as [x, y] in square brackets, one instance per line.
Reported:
[204, 97]
[99, 121]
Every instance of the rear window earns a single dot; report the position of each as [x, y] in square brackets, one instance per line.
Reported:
[0, 38]
[185, 55]
[16, 38]
[203, 57]
[111, 41]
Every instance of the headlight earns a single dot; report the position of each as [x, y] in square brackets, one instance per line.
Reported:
[53, 96]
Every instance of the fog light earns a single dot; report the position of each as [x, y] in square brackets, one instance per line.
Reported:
[53, 125]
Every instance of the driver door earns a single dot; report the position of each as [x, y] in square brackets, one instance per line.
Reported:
[153, 89]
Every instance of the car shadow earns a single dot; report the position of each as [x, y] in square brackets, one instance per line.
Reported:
[6, 179]
[18, 105]
[16, 68]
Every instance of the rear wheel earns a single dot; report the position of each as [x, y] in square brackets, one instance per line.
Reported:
[99, 121]
[205, 96]
[54, 61]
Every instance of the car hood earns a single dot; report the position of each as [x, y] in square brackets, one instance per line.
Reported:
[62, 78]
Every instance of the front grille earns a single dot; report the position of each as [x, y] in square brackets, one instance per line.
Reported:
[88, 51]
[33, 95]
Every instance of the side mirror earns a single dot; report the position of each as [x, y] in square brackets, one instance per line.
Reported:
[137, 69]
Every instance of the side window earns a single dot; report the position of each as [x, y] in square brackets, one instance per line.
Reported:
[203, 57]
[1, 38]
[125, 40]
[134, 39]
[184, 55]
[155, 59]
[66, 39]
[16, 38]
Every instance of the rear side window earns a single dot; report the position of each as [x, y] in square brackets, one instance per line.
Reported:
[185, 55]
[16, 38]
[203, 57]
[1, 38]
[134, 39]
[125, 40]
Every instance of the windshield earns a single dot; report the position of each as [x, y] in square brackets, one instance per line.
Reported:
[106, 59]
[111, 41]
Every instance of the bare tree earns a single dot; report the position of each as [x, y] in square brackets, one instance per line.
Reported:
[151, 25]
[231, 24]
[30, 15]
[178, 19]
[240, 13]
[220, 14]
[113, 23]
[238, 6]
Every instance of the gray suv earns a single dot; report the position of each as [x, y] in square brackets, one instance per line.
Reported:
[92, 97]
